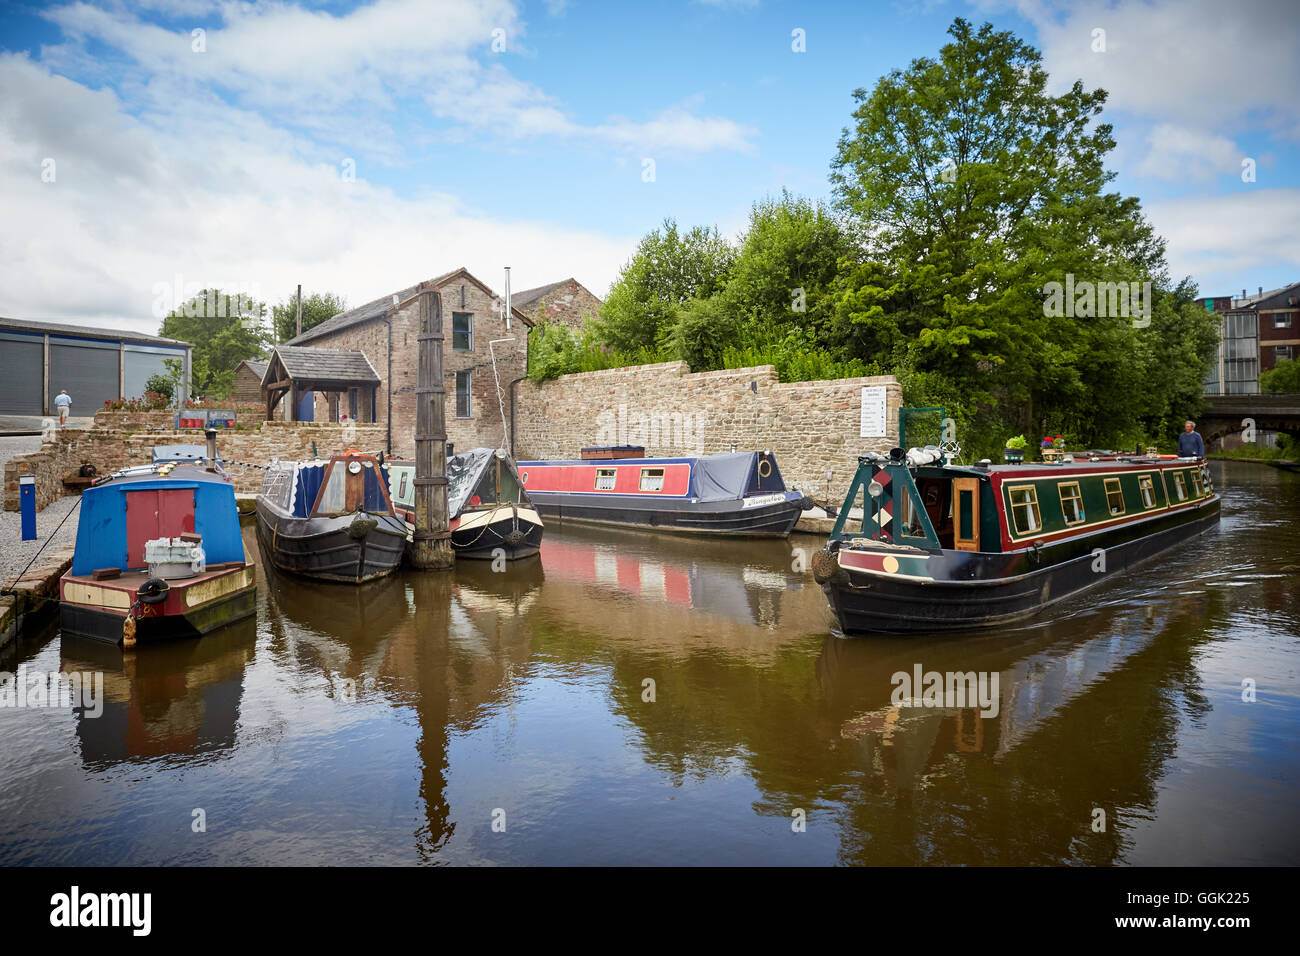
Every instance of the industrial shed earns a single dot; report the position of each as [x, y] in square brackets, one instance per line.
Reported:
[37, 359]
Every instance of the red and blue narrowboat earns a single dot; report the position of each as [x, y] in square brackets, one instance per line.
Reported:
[939, 547]
[159, 555]
[740, 494]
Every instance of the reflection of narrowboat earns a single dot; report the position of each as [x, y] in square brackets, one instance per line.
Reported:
[488, 508]
[331, 520]
[737, 494]
[942, 547]
[158, 555]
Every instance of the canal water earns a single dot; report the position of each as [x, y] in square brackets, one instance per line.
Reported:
[632, 698]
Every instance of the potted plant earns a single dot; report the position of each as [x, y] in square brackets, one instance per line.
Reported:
[1014, 452]
[1052, 447]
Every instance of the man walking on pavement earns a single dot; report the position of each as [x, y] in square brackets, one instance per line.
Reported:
[63, 402]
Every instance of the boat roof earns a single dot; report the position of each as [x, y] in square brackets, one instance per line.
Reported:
[143, 473]
[1051, 468]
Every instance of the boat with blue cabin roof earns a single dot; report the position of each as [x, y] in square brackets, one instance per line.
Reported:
[331, 519]
[737, 494]
[159, 554]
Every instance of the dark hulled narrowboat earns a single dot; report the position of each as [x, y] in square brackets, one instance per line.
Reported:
[941, 547]
[331, 520]
[159, 555]
[490, 512]
[739, 494]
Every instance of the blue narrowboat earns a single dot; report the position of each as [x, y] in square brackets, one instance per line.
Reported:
[159, 555]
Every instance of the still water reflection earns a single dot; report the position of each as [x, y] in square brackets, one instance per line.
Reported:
[394, 723]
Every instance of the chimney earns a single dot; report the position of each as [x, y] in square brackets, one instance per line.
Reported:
[1261, 290]
[210, 434]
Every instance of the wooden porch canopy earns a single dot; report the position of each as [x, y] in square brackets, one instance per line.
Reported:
[295, 369]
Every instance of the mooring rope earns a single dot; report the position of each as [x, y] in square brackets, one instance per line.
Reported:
[10, 589]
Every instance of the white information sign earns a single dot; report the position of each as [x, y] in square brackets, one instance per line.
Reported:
[873, 412]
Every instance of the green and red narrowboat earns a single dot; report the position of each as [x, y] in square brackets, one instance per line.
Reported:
[939, 547]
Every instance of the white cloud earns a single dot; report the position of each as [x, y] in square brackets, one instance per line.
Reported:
[1238, 234]
[134, 204]
[328, 73]
[1179, 154]
[1190, 62]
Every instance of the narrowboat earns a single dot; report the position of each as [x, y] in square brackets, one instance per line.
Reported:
[740, 494]
[490, 513]
[158, 555]
[940, 547]
[331, 519]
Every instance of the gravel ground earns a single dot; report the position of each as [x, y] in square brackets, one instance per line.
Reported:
[14, 552]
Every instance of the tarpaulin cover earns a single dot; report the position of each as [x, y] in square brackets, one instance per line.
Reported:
[306, 486]
[731, 476]
[463, 474]
[470, 473]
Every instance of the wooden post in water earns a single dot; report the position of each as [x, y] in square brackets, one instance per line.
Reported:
[432, 539]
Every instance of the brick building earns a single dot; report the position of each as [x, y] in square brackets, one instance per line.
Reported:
[567, 301]
[1256, 331]
[386, 331]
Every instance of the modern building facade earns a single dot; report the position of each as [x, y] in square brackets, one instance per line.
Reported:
[38, 359]
[1257, 330]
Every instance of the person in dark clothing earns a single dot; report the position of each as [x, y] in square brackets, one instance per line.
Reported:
[1190, 442]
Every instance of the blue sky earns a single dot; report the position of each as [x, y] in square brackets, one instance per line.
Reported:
[230, 163]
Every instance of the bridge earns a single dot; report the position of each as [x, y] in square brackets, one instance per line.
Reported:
[1228, 414]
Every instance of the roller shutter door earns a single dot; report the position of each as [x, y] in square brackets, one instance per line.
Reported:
[22, 362]
[142, 362]
[86, 369]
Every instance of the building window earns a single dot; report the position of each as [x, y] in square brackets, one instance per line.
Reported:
[605, 478]
[1282, 320]
[1114, 496]
[1024, 509]
[1180, 486]
[462, 395]
[1281, 352]
[1148, 490]
[652, 479]
[462, 331]
[1071, 502]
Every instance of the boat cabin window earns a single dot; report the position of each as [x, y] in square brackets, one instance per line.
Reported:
[1071, 501]
[1114, 496]
[1024, 509]
[511, 492]
[1198, 486]
[333, 497]
[1180, 486]
[1148, 491]
[652, 479]
[605, 478]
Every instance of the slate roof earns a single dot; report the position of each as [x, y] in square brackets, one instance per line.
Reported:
[60, 328]
[324, 365]
[376, 308]
[259, 368]
[529, 296]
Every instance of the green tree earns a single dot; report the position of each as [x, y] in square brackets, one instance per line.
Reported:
[1282, 377]
[970, 189]
[667, 269]
[161, 384]
[316, 308]
[224, 331]
[787, 262]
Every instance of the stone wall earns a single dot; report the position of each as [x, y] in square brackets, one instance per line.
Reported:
[483, 424]
[247, 415]
[109, 448]
[813, 427]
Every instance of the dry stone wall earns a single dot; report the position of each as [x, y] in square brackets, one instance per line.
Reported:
[813, 427]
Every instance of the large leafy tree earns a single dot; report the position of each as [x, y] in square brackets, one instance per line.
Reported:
[316, 308]
[970, 188]
[224, 330]
[668, 269]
